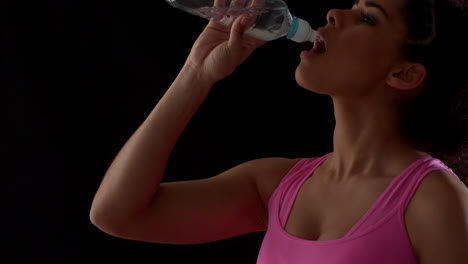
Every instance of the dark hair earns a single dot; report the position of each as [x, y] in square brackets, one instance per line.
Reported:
[436, 120]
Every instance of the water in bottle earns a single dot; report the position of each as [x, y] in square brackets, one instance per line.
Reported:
[272, 18]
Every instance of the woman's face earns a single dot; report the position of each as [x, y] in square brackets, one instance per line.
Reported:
[362, 46]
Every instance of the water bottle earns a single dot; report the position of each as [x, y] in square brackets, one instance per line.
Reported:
[272, 18]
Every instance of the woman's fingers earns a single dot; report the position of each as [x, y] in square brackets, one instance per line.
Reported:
[241, 24]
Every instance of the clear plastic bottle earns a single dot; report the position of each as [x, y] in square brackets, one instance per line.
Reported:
[272, 17]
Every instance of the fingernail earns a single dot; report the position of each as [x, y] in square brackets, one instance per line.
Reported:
[245, 21]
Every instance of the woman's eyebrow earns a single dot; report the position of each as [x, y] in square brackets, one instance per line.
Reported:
[374, 4]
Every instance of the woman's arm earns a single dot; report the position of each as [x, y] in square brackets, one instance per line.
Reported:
[131, 184]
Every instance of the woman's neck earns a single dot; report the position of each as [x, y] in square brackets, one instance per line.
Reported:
[367, 140]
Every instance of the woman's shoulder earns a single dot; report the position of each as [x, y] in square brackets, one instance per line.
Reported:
[440, 200]
[270, 172]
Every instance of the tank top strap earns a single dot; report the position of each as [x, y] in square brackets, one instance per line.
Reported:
[399, 192]
[291, 184]
[415, 177]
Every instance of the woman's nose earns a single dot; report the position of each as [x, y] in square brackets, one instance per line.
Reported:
[332, 17]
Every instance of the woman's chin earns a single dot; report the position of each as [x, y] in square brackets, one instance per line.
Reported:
[304, 79]
[308, 82]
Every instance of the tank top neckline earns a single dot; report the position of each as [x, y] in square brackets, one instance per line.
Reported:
[349, 235]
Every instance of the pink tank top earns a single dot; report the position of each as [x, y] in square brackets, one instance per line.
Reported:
[380, 236]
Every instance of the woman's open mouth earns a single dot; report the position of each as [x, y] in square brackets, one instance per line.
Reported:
[320, 46]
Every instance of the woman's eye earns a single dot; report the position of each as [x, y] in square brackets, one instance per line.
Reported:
[367, 19]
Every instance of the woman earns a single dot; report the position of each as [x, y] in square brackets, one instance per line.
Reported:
[379, 197]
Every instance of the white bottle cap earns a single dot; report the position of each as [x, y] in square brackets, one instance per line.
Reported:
[304, 32]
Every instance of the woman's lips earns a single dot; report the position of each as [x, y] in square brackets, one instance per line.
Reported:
[315, 51]
[319, 47]
[308, 53]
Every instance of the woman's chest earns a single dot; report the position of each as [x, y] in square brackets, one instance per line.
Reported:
[328, 212]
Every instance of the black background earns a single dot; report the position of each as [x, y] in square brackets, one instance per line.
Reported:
[81, 76]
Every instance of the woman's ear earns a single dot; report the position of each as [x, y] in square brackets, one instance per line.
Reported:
[407, 76]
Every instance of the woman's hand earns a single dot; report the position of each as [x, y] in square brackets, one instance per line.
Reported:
[219, 50]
